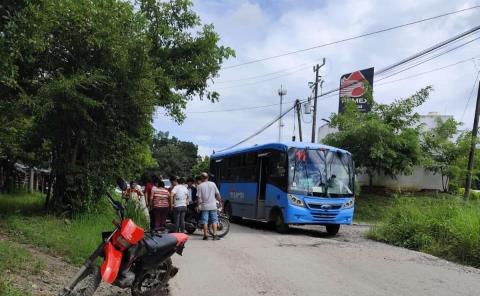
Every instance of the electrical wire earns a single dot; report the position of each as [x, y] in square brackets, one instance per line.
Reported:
[261, 81]
[351, 38]
[404, 61]
[303, 66]
[431, 58]
[426, 72]
[376, 85]
[470, 96]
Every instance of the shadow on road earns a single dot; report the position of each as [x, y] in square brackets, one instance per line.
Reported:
[312, 230]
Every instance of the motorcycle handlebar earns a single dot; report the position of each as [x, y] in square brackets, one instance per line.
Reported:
[117, 206]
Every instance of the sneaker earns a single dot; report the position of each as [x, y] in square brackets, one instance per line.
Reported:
[205, 237]
[215, 237]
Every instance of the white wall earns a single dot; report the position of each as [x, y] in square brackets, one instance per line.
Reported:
[420, 179]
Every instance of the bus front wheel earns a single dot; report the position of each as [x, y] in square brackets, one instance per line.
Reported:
[332, 229]
[280, 225]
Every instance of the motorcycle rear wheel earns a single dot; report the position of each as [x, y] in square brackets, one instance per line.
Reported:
[223, 227]
[89, 284]
[153, 283]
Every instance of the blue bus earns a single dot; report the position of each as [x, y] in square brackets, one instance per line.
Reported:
[287, 184]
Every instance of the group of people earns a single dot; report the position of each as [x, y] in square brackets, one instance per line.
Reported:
[158, 202]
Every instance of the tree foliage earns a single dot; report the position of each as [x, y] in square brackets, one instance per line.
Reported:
[441, 152]
[173, 157]
[82, 79]
[202, 165]
[384, 140]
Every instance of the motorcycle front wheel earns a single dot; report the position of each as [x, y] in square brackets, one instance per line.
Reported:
[223, 227]
[153, 282]
[88, 285]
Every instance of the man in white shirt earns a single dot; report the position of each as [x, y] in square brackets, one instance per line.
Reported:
[208, 195]
[179, 201]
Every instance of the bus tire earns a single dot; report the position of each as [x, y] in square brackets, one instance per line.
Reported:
[228, 213]
[332, 229]
[280, 225]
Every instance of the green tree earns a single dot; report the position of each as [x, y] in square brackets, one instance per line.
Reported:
[441, 153]
[202, 165]
[384, 140]
[90, 75]
[173, 157]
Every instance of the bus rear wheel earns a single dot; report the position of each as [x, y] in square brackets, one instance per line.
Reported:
[228, 213]
[332, 229]
[280, 225]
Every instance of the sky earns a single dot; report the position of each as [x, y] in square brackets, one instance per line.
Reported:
[258, 29]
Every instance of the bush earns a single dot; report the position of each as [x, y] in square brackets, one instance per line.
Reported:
[474, 194]
[23, 219]
[444, 227]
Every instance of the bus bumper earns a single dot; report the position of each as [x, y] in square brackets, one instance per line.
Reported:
[300, 215]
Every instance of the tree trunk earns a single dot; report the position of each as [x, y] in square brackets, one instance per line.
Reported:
[30, 180]
[370, 181]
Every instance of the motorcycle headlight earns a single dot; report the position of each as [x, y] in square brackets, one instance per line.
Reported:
[349, 204]
[296, 201]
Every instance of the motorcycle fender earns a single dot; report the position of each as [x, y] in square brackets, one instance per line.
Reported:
[111, 264]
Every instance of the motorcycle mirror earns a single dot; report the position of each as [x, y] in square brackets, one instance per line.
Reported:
[122, 184]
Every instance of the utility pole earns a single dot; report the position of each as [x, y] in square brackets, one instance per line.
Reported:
[471, 156]
[297, 102]
[315, 98]
[281, 93]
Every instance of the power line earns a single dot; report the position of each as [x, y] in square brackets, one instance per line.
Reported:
[404, 61]
[261, 81]
[237, 109]
[334, 94]
[470, 96]
[260, 130]
[431, 58]
[426, 72]
[264, 75]
[352, 38]
[422, 53]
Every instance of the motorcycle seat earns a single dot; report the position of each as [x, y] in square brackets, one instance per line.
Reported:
[159, 242]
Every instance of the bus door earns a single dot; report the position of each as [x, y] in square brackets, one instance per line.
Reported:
[263, 159]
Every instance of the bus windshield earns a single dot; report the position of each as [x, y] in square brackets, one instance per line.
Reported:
[320, 173]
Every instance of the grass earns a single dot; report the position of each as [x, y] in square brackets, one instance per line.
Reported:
[24, 220]
[370, 208]
[16, 259]
[444, 227]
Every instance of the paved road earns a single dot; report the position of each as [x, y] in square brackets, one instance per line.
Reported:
[254, 261]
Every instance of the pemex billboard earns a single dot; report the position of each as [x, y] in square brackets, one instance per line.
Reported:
[356, 86]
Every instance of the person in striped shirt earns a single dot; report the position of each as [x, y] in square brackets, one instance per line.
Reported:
[160, 205]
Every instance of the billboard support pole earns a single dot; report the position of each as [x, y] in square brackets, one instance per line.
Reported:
[315, 98]
[471, 156]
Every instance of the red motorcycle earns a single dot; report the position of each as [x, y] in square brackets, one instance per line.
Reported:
[131, 259]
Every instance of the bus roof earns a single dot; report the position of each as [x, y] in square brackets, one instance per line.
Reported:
[282, 146]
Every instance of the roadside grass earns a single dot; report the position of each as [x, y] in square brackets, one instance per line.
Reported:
[18, 260]
[23, 220]
[444, 226]
[370, 208]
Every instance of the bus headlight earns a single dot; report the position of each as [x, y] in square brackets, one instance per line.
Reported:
[349, 204]
[296, 201]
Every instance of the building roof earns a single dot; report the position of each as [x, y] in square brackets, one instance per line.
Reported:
[283, 146]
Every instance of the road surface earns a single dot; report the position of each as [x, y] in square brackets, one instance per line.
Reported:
[252, 260]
